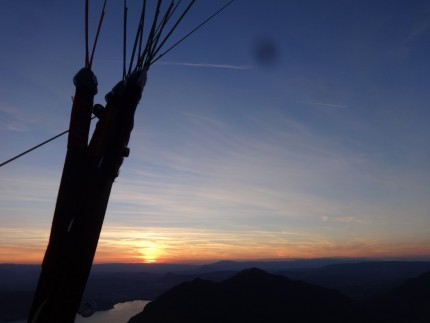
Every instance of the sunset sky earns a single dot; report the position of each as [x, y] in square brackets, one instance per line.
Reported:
[283, 128]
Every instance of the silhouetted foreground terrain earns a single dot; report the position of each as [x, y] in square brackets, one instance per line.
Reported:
[380, 286]
[250, 296]
[409, 303]
[257, 296]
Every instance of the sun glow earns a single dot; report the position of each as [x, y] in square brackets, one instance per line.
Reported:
[150, 252]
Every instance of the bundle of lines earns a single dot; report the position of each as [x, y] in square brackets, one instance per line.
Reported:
[91, 165]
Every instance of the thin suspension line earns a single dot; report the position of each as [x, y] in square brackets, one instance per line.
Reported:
[141, 34]
[33, 148]
[155, 51]
[147, 49]
[124, 45]
[37, 146]
[171, 9]
[97, 34]
[87, 60]
[138, 36]
[189, 34]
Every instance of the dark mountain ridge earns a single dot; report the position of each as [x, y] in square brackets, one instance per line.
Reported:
[362, 281]
[256, 296]
[250, 296]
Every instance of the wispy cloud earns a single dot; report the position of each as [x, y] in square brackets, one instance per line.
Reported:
[205, 118]
[185, 243]
[13, 119]
[209, 189]
[323, 104]
[344, 219]
[208, 65]
[229, 178]
[168, 243]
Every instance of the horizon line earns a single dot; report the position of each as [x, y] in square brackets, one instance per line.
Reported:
[209, 262]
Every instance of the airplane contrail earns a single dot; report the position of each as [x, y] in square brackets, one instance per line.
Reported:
[227, 66]
[324, 104]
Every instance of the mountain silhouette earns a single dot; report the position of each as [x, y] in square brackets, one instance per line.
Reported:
[252, 295]
[408, 303]
[362, 281]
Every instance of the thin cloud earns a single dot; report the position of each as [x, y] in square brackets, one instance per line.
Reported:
[13, 119]
[13, 126]
[344, 219]
[225, 66]
[324, 104]
[204, 118]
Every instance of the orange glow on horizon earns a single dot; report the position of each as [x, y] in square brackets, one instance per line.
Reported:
[189, 246]
[149, 255]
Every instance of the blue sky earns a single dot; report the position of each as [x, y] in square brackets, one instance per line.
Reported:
[321, 149]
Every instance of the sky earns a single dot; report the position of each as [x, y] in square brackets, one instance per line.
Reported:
[281, 129]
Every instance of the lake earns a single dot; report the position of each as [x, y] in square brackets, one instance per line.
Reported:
[120, 313]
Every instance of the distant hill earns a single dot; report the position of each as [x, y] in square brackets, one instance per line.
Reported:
[276, 265]
[17, 284]
[18, 276]
[362, 281]
[250, 296]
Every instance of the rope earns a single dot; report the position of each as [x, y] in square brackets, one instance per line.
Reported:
[97, 34]
[189, 34]
[37, 146]
[87, 61]
[33, 148]
[124, 40]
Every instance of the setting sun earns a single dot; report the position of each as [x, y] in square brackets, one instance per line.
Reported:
[150, 252]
